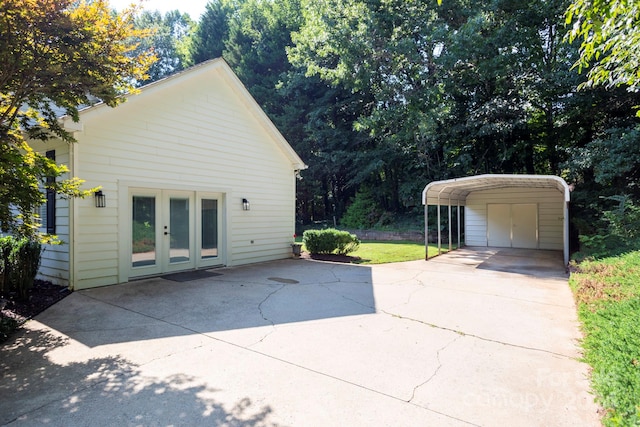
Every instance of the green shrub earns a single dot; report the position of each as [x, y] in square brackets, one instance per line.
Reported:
[7, 327]
[624, 221]
[362, 213]
[24, 262]
[6, 245]
[330, 241]
[619, 234]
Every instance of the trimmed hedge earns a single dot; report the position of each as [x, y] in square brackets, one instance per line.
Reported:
[330, 241]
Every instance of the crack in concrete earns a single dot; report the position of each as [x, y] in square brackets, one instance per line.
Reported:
[347, 298]
[265, 300]
[464, 334]
[247, 348]
[273, 325]
[433, 375]
[165, 356]
[415, 291]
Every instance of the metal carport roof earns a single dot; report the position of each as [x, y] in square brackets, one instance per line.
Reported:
[454, 192]
[457, 190]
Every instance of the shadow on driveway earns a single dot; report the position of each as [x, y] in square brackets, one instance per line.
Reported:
[106, 390]
[261, 295]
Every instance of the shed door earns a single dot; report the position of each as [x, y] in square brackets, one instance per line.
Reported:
[512, 225]
[499, 225]
[524, 226]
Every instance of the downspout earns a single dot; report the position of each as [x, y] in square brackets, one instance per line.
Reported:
[73, 214]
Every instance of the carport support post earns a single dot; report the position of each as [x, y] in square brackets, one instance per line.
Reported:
[426, 229]
[458, 213]
[439, 232]
[566, 235]
[449, 224]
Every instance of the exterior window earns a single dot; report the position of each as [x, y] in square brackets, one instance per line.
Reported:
[48, 215]
[209, 228]
[143, 224]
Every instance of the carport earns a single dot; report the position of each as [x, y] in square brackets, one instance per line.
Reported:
[509, 211]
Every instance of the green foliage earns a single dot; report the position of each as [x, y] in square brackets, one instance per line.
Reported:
[209, 37]
[6, 246]
[612, 348]
[381, 252]
[608, 296]
[55, 56]
[599, 246]
[362, 213]
[143, 237]
[613, 156]
[392, 95]
[170, 36]
[609, 32]
[620, 231]
[7, 326]
[19, 265]
[624, 221]
[329, 241]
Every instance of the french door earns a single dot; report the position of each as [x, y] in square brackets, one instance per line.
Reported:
[173, 231]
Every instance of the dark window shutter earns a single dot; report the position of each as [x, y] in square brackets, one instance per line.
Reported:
[51, 199]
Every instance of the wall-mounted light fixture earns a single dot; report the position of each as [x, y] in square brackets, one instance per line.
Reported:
[100, 199]
[245, 205]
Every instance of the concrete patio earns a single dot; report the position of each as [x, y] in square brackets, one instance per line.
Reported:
[483, 337]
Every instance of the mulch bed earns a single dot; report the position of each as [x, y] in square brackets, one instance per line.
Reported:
[41, 295]
[330, 257]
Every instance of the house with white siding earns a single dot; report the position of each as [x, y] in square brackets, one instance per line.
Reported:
[502, 211]
[193, 175]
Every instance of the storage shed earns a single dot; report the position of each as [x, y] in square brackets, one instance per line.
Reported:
[506, 211]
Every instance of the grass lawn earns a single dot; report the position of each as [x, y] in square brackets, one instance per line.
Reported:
[608, 296]
[382, 252]
[378, 252]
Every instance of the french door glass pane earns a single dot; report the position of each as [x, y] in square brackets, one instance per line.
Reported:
[209, 247]
[179, 230]
[143, 241]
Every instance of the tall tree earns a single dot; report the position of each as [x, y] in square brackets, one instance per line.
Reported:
[450, 90]
[55, 54]
[209, 37]
[168, 39]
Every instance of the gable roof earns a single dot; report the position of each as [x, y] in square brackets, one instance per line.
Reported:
[223, 69]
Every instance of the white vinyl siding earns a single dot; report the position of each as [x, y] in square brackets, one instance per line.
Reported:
[550, 204]
[194, 135]
[54, 265]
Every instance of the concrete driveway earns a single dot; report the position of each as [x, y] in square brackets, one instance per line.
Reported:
[476, 337]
